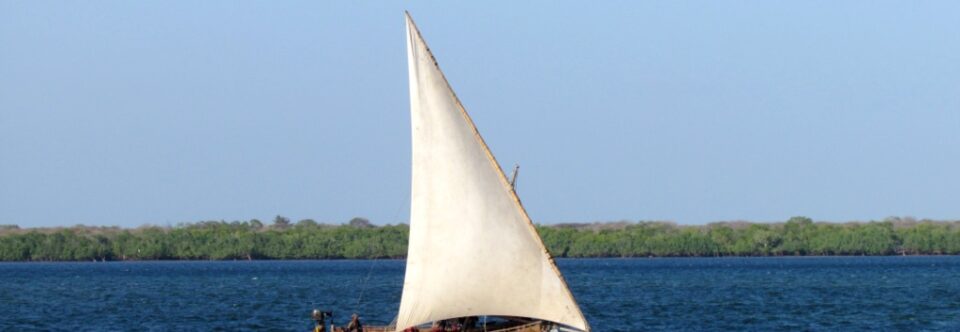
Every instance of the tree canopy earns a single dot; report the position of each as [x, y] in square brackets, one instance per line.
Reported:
[360, 239]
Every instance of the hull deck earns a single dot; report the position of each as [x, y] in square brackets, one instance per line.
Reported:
[536, 326]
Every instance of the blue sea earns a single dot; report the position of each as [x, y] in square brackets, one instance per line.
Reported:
[647, 294]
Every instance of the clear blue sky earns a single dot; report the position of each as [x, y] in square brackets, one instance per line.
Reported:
[127, 113]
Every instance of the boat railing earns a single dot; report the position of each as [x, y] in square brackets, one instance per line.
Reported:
[524, 327]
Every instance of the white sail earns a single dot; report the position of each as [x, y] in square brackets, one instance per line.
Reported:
[473, 250]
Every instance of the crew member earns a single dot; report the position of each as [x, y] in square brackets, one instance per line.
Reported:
[354, 325]
[320, 318]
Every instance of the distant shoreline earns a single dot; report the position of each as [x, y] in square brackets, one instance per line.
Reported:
[403, 259]
[359, 239]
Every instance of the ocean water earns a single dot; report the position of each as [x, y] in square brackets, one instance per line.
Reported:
[666, 294]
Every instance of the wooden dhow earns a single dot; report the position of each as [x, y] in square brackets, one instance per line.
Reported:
[474, 253]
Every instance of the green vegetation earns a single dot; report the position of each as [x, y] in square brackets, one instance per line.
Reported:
[206, 240]
[307, 239]
[799, 236]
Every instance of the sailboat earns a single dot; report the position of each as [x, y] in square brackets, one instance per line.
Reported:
[473, 253]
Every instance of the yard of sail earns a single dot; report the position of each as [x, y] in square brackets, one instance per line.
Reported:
[473, 250]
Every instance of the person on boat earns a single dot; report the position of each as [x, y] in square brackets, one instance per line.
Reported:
[354, 325]
[320, 318]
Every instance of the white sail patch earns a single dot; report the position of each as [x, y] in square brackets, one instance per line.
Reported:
[473, 250]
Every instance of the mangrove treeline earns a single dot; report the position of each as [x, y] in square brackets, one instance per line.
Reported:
[307, 239]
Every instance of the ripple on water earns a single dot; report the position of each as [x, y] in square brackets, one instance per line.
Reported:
[816, 293]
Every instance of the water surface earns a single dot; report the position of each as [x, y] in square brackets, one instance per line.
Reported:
[789, 294]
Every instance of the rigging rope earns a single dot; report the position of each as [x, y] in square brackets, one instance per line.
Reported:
[363, 286]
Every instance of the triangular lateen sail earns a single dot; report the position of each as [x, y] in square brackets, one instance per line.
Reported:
[473, 250]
